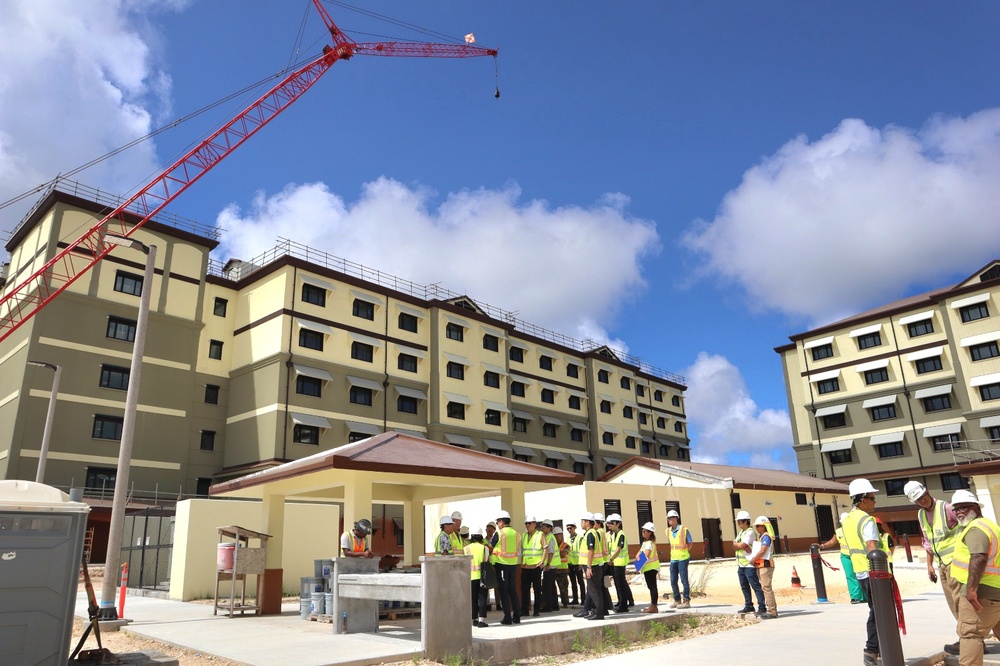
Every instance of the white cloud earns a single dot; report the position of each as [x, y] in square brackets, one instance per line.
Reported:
[828, 228]
[568, 268]
[78, 80]
[726, 424]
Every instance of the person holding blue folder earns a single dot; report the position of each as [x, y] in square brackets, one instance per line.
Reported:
[647, 562]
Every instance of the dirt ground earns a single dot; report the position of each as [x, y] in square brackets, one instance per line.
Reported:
[711, 583]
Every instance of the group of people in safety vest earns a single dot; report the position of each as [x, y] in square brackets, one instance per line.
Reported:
[754, 546]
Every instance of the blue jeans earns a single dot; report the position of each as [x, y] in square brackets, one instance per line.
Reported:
[680, 568]
[749, 580]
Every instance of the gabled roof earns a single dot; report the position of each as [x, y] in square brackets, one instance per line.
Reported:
[393, 452]
[468, 304]
[748, 478]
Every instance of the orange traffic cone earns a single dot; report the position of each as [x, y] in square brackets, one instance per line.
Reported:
[795, 578]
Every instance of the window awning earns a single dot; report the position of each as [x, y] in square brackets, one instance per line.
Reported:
[989, 422]
[461, 360]
[552, 455]
[872, 365]
[419, 353]
[519, 378]
[527, 416]
[517, 343]
[497, 445]
[833, 409]
[971, 300]
[611, 460]
[932, 391]
[887, 438]
[980, 339]
[946, 429]
[315, 373]
[551, 420]
[366, 339]
[664, 442]
[368, 298]
[924, 353]
[823, 376]
[313, 326]
[579, 426]
[309, 420]
[629, 403]
[495, 368]
[457, 397]
[459, 440]
[316, 282]
[611, 429]
[983, 380]
[838, 445]
[818, 343]
[579, 394]
[361, 382]
[683, 445]
[456, 320]
[913, 318]
[413, 433]
[878, 402]
[524, 451]
[498, 406]
[411, 392]
[604, 396]
[366, 428]
[413, 312]
[495, 332]
[581, 458]
[551, 387]
[865, 330]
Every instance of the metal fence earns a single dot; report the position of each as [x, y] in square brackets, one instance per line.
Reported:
[147, 544]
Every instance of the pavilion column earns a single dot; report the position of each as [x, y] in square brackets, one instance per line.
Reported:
[357, 500]
[512, 501]
[273, 523]
[414, 529]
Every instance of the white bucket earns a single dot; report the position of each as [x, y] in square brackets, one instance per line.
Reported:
[305, 605]
[318, 606]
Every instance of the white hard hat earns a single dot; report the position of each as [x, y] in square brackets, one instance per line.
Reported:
[598, 516]
[914, 490]
[761, 520]
[588, 516]
[614, 518]
[456, 515]
[464, 531]
[743, 515]
[477, 532]
[843, 517]
[673, 514]
[557, 530]
[860, 487]
[546, 521]
[530, 519]
[964, 497]
[649, 526]
[491, 524]
[504, 515]
[446, 520]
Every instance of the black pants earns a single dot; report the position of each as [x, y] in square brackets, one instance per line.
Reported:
[596, 591]
[871, 644]
[577, 582]
[479, 595]
[650, 576]
[531, 578]
[496, 590]
[507, 590]
[551, 602]
[622, 588]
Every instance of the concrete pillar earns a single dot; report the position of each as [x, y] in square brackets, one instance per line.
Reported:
[446, 609]
[273, 523]
[357, 500]
[413, 531]
[984, 485]
[512, 501]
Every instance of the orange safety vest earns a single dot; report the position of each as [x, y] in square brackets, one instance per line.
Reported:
[357, 545]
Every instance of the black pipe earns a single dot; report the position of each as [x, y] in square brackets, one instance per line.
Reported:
[884, 605]
[817, 563]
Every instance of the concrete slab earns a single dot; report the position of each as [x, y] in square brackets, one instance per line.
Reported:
[136, 659]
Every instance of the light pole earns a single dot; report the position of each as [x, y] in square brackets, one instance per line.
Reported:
[47, 433]
[117, 526]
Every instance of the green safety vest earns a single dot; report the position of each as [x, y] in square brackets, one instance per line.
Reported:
[506, 550]
[960, 561]
[457, 545]
[480, 556]
[844, 550]
[653, 561]
[574, 549]
[853, 526]
[437, 544]
[601, 556]
[622, 558]
[531, 548]
[741, 555]
[550, 540]
[942, 539]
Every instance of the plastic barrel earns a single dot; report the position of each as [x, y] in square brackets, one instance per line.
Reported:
[224, 559]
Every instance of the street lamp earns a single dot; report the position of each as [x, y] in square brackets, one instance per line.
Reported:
[47, 433]
[117, 526]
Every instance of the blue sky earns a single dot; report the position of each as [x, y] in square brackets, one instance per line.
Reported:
[694, 180]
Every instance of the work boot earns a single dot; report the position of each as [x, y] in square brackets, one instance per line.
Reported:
[746, 609]
[651, 609]
[684, 604]
[675, 603]
[952, 648]
[869, 658]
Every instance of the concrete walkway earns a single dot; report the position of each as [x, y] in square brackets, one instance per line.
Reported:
[818, 635]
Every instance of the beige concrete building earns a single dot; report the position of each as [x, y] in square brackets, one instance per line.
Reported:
[250, 364]
[909, 390]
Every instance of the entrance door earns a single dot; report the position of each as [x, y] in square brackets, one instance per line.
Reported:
[824, 522]
[712, 529]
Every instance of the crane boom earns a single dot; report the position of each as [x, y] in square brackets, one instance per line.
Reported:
[19, 303]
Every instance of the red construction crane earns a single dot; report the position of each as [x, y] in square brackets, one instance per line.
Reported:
[21, 302]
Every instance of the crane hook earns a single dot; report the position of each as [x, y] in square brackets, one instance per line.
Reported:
[497, 93]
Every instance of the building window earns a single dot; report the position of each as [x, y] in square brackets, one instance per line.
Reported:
[683, 454]
[658, 396]
[994, 433]
[876, 376]
[128, 283]
[883, 412]
[495, 452]
[676, 401]
[627, 412]
[953, 481]
[113, 377]
[608, 438]
[828, 386]
[629, 442]
[822, 351]
[361, 396]
[313, 294]
[548, 395]
[207, 440]
[928, 364]
[107, 427]
[356, 437]
[969, 312]
[626, 383]
[516, 354]
[220, 307]
[545, 362]
[579, 468]
[202, 485]
[576, 435]
[664, 451]
[491, 342]
[834, 421]
[605, 407]
[645, 446]
[101, 478]
[549, 429]
[937, 403]
[678, 427]
[574, 402]
[454, 332]
[455, 370]
[407, 322]
[211, 394]
[362, 352]
[918, 328]
[406, 404]
[552, 462]
[521, 457]
[572, 370]
[800, 499]
[491, 379]
[121, 329]
[661, 422]
[946, 442]
[643, 419]
[840, 457]
[640, 390]
[519, 425]
[989, 392]
[493, 417]
[310, 386]
[894, 487]
[407, 363]
[870, 340]
[983, 352]
[310, 339]
[517, 388]
[456, 410]
[603, 376]
[304, 434]
[891, 450]
[363, 309]
[215, 349]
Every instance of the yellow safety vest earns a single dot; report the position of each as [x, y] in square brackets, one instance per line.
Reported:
[622, 558]
[478, 552]
[506, 550]
[844, 550]
[741, 555]
[653, 561]
[679, 549]
[457, 545]
[960, 561]
[585, 550]
[942, 539]
[602, 543]
[531, 548]
[562, 556]
[853, 527]
[437, 543]
[574, 549]
[550, 540]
